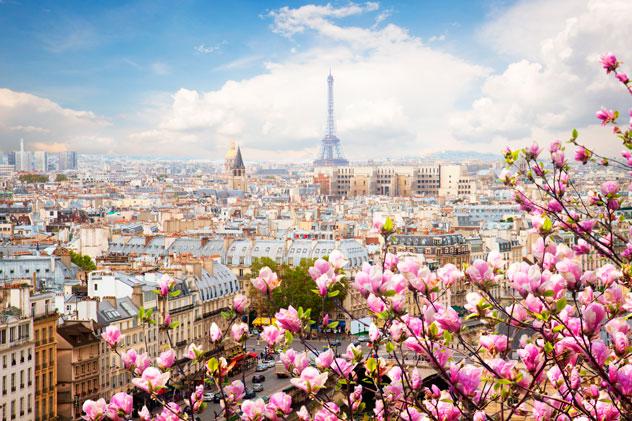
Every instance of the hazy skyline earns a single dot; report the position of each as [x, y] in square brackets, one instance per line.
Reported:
[183, 79]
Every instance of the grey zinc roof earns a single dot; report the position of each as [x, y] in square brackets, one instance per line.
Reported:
[218, 284]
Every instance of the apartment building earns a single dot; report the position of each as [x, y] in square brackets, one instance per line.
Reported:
[395, 181]
[16, 353]
[44, 329]
[77, 368]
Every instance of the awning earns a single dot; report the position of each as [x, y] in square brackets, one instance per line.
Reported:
[242, 356]
[263, 321]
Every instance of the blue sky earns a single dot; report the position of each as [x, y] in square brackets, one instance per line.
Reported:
[109, 56]
[137, 72]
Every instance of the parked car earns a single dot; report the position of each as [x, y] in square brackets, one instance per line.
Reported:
[257, 387]
[258, 378]
[249, 393]
[208, 396]
[356, 342]
[261, 367]
[270, 363]
[364, 338]
[218, 397]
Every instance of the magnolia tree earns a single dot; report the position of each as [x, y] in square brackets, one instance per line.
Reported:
[556, 348]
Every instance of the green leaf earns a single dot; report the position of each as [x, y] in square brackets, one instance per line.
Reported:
[575, 134]
[333, 325]
[175, 324]
[560, 304]
[175, 293]
[390, 347]
[548, 347]
[371, 364]
[503, 381]
[333, 293]
[315, 291]
[388, 224]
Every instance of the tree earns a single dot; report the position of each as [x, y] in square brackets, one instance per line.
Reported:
[83, 261]
[61, 177]
[33, 178]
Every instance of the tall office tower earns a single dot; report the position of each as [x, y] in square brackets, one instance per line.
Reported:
[67, 161]
[40, 161]
[330, 149]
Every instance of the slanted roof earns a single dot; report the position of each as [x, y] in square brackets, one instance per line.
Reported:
[238, 163]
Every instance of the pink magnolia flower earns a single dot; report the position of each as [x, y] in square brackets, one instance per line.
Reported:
[197, 398]
[129, 358]
[293, 361]
[533, 151]
[112, 336]
[166, 359]
[253, 409]
[502, 368]
[466, 379]
[323, 283]
[165, 284]
[449, 320]
[609, 62]
[475, 303]
[375, 304]
[216, 333]
[480, 272]
[342, 367]
[542, 411]
[378, 222]
[494, 343]
[321, 267]
[152, 380]
[415, 379]
[337, 259]
[239, 331]
[609, 188]
[325, 359]
[531, 357]
[311, 380]
[240, 303]
[95, 410]
[193, 351]
[593, 316]
[120, 407]
[279, 403]
[234, 391]
[142, 362]
[390, 261]
[266, 281]
[374, 333]
[582, 155]
[170, 413]
[303, 414]
[167, 321]
[623, 78]
[449, 274]
[605, 115]
[272, 335]
[288, 319]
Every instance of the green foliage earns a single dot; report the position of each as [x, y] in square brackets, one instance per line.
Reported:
[296, 288]
[84, 262]
[61, 177]
[33, 178]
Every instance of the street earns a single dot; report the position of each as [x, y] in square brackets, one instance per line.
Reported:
[272, 383]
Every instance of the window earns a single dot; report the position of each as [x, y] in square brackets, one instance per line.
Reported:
[96, 287]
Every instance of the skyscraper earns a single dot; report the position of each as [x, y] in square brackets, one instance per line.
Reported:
[330, 149]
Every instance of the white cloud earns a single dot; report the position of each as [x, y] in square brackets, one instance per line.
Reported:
[558, 82]
[392, 93]
[209, 49]
[40, 121]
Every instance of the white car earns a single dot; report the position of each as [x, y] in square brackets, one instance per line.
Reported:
[208, 396]
[257, 387]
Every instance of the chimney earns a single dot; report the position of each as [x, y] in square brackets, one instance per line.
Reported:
[207, 264]
[111, 300]
[137, 295]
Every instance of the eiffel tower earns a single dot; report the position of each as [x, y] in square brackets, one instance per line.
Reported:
[330, 149]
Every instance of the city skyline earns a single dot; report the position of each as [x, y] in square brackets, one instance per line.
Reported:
[414, 78]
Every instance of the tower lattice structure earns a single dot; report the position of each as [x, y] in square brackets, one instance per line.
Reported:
[330, 148]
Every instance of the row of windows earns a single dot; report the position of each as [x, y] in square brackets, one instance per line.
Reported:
[14, 384]
[11, 413]
[16, 359]
[15, 333]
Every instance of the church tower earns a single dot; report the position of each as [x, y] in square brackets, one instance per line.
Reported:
[235, 169]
